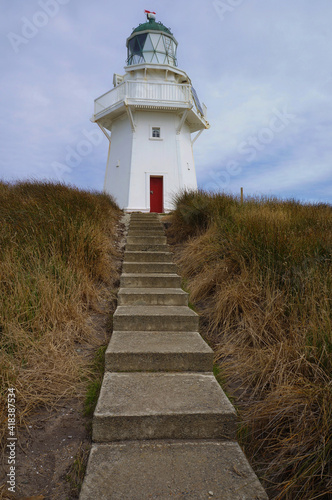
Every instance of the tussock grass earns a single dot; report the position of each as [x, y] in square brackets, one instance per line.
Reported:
[57, 254]
[261, 276]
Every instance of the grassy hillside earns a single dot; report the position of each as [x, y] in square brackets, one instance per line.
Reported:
[57, 253]
[260, 275]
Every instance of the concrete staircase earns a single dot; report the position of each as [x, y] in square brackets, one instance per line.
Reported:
[163, 428]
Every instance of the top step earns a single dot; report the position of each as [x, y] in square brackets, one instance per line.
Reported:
[144, 216]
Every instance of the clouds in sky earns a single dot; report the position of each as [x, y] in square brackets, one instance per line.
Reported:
[264, 70]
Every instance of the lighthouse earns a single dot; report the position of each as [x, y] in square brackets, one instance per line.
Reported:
[151, 117]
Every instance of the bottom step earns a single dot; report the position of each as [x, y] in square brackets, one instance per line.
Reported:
[196, 470]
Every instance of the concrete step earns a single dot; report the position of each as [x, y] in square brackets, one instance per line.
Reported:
[144, 232]
[147, 247]
[143, 226]
[195, 470]
[149, 267]
[146, 240]
[139, 213]
[152, 296]
[155, 318]
[150, 280]
[148, 256]
[162, 406]
[145, 222]
[145, 218]
[150, 220]
[158, 351]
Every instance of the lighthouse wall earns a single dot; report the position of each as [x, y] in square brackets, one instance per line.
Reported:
[188, 171]
[117, 176]
[169, 156]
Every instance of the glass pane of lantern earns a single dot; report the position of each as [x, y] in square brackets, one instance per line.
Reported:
[154, 39]
[148, 56]
[141, 40]
[131, 45]
[148, 44]
[161, 46]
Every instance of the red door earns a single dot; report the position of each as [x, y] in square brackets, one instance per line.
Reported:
[156, 194]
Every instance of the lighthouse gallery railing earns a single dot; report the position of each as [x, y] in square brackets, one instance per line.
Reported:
[155, 92]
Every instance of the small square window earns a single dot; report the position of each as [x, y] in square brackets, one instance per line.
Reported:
[156, 132]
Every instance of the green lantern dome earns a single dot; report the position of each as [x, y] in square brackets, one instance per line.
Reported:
[151, 43]
[152, 25]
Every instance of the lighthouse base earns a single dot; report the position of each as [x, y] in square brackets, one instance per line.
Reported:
[149, 165]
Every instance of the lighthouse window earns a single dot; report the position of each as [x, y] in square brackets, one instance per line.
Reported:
[155, 132]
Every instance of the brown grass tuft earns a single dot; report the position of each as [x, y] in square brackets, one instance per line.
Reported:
[58, 250]
[260, 275]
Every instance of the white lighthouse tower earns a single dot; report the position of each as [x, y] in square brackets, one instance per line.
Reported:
[149, 118]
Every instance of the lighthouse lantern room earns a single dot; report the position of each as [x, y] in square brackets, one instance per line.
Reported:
[149, 118]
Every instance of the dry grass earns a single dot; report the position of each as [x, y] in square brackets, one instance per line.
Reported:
[57, 253]
[261, 276]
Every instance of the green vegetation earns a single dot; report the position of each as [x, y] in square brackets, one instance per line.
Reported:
[260, 275]
[94, 386]
[57, 266]
[76, 473]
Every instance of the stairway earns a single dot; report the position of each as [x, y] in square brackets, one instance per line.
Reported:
[163, 428]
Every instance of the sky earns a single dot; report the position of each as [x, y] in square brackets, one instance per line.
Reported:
[263, 69]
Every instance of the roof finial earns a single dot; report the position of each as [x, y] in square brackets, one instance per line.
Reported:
[150, 15]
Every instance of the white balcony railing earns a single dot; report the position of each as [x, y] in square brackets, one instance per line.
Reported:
[136, 92]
